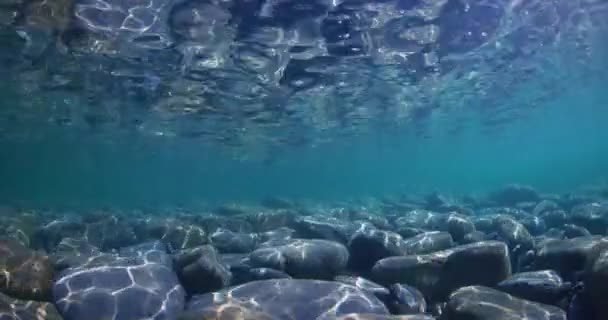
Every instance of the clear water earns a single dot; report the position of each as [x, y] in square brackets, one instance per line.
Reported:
[96, 115]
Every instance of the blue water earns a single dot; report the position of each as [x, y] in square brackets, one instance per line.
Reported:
[559, 147]
[344, 101]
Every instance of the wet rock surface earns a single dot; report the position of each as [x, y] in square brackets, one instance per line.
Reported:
[316, 259]
[294, 299]
[482, 303]
[201, 270]
[15, 309]
[24, 273]
[532, 260]
[129, 287]
[438, 274]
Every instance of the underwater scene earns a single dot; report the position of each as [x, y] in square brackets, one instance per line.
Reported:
[304, 159]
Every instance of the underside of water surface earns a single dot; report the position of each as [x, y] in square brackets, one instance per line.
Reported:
[303, 159]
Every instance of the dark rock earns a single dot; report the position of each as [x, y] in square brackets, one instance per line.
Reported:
[312, 259]
[256, 274]
[176, 235]
[369, 316]
[545, 206]
[14, 309]
[438, 274]
[513, 194]
[118, 288]
[110, 233]
[227, 241]
[47, 237]
[428, 242]
[24, 274]
[277, 237]
[408, 232]
[475, 236]
[291, 299]
[377, 290]
[271, 220]
[555, 234]
[580, 307]
[240, 223]
[484, 223]
[592, 216]
[200, 270]
[526, 206]
[570, 256]
[513, 233]
[423, 219]
[151, 252]
[327, 228]
[482, 303]
[595, 279]
[406, 300]
[534, 224]
[369, 245]
[72, 252]
[544, 286]
[569, 201]
[459, 226]
[20, 226]
[574, 231]
[554, 218]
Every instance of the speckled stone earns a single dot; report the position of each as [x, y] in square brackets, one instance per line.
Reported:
[14, 309]
[24, 274]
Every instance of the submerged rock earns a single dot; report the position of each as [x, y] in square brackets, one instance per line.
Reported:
[459, 226]
[570, 256]
[369, 245]
[574, 231]
[312, 259]
[592, 216]
[438, 274]
[513, 194]
[545, 286]
[379, 291]
[293, 299]
[118, 288]
[73, 252]
[200, 270]
[596, 280]
[228, 309]
[227, 241]
[24, 274]
[289, 299]
[14, 309]
[48, 236]
[322, 227]
[428, 242]
[406, 300]
[482, 303]
[369, 316]
[475, 236]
